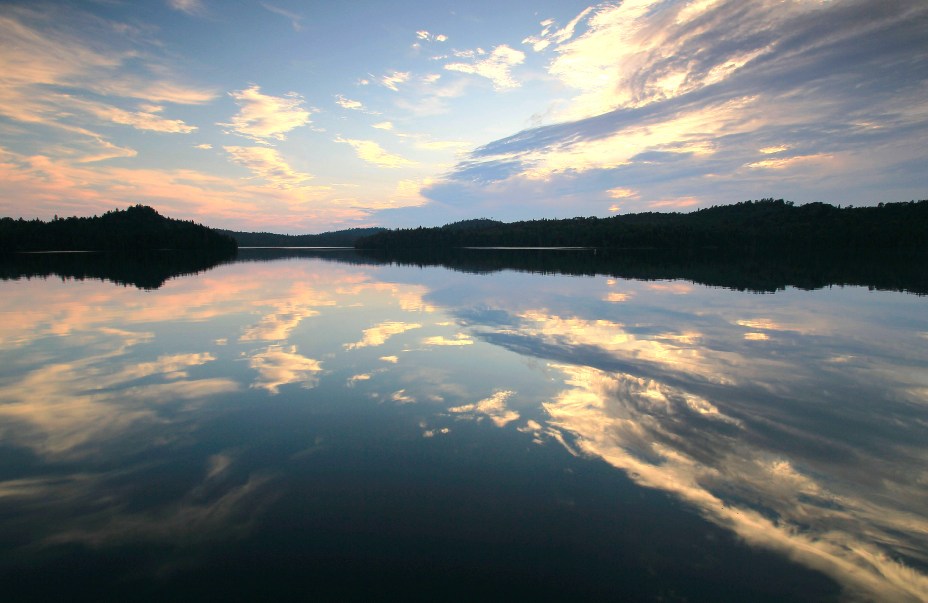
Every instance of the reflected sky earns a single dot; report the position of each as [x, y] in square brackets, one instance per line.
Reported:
[204, 413]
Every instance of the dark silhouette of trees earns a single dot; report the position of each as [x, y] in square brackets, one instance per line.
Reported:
[137, 228]
[764, 225]
[145, 269]
[338, 238]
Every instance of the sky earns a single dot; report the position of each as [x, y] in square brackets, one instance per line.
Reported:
[311, 116]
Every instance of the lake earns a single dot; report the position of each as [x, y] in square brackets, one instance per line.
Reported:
[498, 424]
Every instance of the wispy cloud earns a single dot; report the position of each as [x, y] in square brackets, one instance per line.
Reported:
[144, 119]
[394, 78]
[550, 35]
[51, 71]
[699, 102]
[373, 153]
[263, 117]
[460, 339]
[266, 163]
[495, 66]
[296, 21]
[191, 7]
[347, 103]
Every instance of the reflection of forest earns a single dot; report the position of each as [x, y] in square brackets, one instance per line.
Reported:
[142, 269]
[739, 271]
[743, 272]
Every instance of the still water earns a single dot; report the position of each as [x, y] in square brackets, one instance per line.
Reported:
[322, 425]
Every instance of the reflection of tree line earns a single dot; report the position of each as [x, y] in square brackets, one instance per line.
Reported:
[741, 271]
[759, 226]
[142, 269]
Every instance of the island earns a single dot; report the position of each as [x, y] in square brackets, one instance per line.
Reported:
[137, 228]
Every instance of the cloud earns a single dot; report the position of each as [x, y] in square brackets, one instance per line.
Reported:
[191, 7]
[425, 36]
[496, 66]
[295, 19]
[373, 153]
[549, 35]
[384, 125]
[459, 340]
[51, 68]
[392, 80]
[146, 119]
[288, 202]
[262, 117]
[703, 101]
[346, 103]
[267, 163]
[408, 193]
[780, 163]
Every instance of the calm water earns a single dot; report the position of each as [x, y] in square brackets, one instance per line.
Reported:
[323, 426]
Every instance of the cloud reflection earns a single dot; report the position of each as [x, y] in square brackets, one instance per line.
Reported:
[378, 335]
[493, 407]
[66, 409]
[281, 365]
[665, 438]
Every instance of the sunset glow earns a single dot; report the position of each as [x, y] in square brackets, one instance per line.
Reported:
[304, 117]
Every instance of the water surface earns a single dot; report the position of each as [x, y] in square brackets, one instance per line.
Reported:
[324, 424]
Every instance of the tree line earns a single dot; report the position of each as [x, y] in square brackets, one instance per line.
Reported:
[338, 238]
[136, 228]
[760, 225]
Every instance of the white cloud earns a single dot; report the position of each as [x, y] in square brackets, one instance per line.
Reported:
[429, 37]
[373, 153]
[262, 117]
[632, 54]
[440, 340]
[384, 125]
[559, 36]
[394, 78]
[496, 67]
[347, 103]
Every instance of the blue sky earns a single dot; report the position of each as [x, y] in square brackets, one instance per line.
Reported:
[298, 117]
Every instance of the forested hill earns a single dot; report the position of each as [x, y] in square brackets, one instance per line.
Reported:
[338, 238]
[750, 225]
[137, 228]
